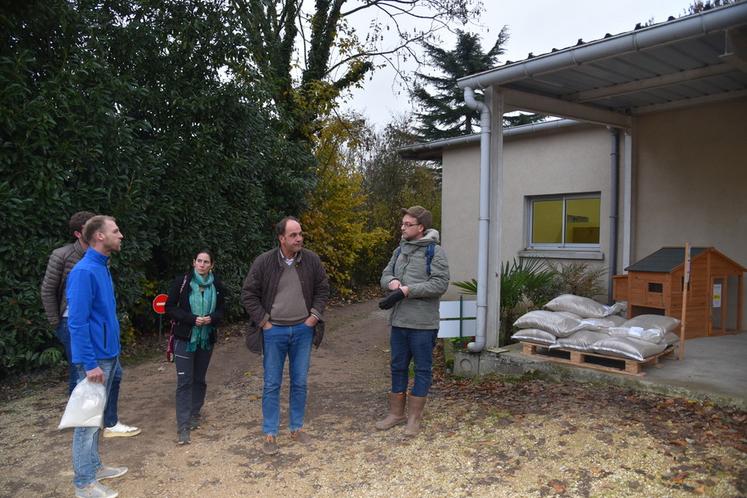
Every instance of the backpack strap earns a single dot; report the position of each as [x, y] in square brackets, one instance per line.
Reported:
[184, 282]
[181, 290]
[430, 250]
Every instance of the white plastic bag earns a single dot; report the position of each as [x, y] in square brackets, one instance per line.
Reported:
[85, 408]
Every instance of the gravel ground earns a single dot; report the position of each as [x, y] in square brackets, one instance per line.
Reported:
[498, 437]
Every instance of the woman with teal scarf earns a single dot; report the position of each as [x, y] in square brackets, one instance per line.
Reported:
[195, 305]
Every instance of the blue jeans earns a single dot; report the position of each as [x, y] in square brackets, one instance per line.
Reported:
[408, 344]
[86, 459]
[63, 335]
[294, 342]
[110, 412]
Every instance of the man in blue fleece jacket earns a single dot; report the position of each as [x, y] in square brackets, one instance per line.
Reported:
[94, 344]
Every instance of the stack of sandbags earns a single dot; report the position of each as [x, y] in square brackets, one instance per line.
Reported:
[595, 320]
[582, 324]
[544, 327]
[639, 337]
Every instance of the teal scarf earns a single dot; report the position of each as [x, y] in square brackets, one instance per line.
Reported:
[202, 301]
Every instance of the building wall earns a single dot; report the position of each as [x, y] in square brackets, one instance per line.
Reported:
[459, 210]
[690, 180]
[565, 161]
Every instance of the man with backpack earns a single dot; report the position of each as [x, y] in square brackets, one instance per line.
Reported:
[417, 276]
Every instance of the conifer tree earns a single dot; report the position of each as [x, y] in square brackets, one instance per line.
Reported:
[443, 112]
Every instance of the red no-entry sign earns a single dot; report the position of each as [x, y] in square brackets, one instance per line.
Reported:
[159, 304]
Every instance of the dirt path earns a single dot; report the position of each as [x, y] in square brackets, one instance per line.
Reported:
[531, 438]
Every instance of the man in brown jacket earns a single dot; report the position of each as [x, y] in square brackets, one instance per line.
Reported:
[61, 261]
[285, 293]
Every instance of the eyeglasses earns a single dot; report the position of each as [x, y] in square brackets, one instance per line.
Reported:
[408, 225]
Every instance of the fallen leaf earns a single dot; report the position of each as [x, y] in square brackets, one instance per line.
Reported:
[679, 478]
[558, 486]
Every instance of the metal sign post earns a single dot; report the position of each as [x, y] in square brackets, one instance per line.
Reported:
[159, 306]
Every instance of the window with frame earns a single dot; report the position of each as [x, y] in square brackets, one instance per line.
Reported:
[564, 221]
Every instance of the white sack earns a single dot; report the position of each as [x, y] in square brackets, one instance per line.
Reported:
[535, 336]
[579, 341]
[601, 324]
[569, 314]
[627, 347]
[661, 322]
[671, 338]
[583, 306]
[85, 408]
[648, 335]
[616, 319]
[557, 324]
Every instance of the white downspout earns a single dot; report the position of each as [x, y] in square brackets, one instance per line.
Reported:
[484, 220]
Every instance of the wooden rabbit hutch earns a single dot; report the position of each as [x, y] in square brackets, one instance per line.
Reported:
[714, 299]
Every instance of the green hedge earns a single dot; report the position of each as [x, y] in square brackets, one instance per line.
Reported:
[147, 111]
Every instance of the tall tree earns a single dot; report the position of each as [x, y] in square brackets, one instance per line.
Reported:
[336, 223]
[444, 113]
[309, 58]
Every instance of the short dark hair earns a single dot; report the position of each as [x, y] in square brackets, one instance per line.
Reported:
[421, 214]
[280, 227]
[77, 220]
[208, 252]
[94, 225]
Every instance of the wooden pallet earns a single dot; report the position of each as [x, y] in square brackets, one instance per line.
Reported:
[594, 361]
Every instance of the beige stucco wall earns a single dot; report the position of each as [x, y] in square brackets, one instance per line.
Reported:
[689, 184]
[690, 180]
[569, 160]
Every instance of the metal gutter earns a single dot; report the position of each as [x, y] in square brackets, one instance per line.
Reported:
[630, 42]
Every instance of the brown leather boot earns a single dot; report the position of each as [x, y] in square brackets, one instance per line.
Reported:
[415, 405]
[396, 413]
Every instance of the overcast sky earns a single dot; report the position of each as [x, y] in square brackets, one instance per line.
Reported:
[534, 26]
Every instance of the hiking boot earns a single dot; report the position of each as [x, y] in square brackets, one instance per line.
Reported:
[95, 490]
[106, 472]
[183, 437]
[300, 436]
[121, 430]
[396, 413]
[270, 445]
[194, 423]
[415, 405]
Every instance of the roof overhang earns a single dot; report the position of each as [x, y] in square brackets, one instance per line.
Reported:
[433, 151]
[683, 62]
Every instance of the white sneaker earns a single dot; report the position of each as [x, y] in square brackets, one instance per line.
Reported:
[121, 430]
[95, 490]
[106, 472]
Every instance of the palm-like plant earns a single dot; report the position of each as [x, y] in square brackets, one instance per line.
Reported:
[526, 283]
